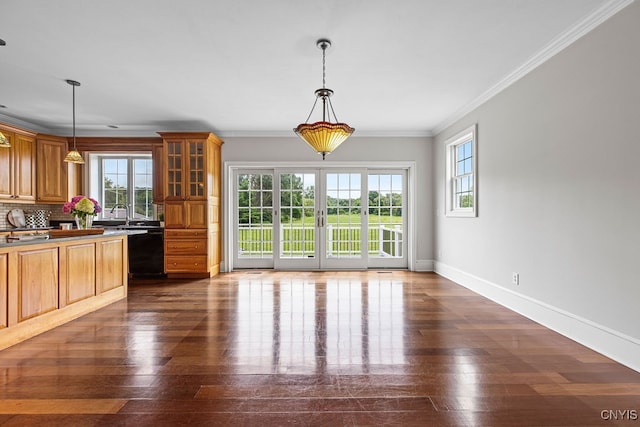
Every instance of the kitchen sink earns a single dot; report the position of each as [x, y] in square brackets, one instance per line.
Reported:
[121, 225]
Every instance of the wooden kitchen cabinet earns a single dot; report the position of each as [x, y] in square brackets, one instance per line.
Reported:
[157, 154]
[37, 282]
[46, 283]
[192, 184]
[186, 250]
[4, 279]
[79, 270]
[18, 166]
[56, 179]
[111, 260]
[187, 214]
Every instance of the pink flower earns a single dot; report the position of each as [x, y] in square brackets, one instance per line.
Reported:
[68, 207]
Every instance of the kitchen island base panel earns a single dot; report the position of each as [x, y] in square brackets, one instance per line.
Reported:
[51, 282]
[37, 325]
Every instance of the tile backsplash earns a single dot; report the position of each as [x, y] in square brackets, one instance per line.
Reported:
[56, 212]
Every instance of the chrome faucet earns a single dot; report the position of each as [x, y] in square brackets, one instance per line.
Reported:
[126, 211]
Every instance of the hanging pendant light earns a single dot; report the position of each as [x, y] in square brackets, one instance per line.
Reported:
[4, 141]
[324, 136]
[74, 156]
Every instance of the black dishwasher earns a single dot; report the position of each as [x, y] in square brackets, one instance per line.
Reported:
[146, 253]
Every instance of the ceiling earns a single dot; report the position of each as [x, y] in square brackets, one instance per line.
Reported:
[250, 67]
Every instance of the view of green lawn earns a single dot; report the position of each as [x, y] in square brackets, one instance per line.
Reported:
[298, 235]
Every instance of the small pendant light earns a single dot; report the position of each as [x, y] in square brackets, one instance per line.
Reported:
[4, 141]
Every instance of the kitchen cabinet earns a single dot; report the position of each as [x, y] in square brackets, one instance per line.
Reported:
[18, 166]
[157, 154]
[56, 180]
[186, 167]
[188, 214]
[80, 273]
[37, 286]
[111, 261]
[45, 283]
[186, 250]
[192, 187]
[4, 278]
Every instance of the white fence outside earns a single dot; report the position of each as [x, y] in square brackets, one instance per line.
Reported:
[384, 241]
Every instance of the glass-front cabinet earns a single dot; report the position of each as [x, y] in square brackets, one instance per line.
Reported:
[192, 202]
[186, 169]
[196, 170]
[173, 152]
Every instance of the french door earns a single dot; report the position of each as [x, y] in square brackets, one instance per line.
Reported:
[301, 219]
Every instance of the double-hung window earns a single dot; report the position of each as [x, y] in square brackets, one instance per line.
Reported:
[461, 174]
[123, 184]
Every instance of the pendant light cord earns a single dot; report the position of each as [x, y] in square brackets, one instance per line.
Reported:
[327, 107]
[73, 103]
[73, 84]
[324, 74]
[325, 110]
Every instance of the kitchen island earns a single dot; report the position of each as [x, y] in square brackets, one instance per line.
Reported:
[47, 282]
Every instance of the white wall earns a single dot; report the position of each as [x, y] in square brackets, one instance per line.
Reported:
[360, 149]
[559, 193]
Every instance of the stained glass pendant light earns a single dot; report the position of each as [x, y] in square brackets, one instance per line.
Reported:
[324, 136]
[74, 156]
[4, 141]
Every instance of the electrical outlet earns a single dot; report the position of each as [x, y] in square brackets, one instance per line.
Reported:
[515, 278]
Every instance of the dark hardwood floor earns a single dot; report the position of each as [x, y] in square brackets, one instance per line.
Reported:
[308, 348]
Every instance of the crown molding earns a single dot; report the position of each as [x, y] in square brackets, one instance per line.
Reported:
[10, 120]
[357, 134]
[597, 17]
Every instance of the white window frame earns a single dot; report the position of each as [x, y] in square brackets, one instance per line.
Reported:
[451, 144]
[95, 181]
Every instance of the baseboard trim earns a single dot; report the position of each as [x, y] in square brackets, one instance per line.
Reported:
[423, 265]
[616, 345]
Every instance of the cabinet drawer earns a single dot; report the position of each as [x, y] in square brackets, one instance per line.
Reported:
[185, 233]
[195, 264]
[185, 247]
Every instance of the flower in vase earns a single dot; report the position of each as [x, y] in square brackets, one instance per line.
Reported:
[82, 206]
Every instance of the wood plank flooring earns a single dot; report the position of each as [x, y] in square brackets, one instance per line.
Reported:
[310, 348]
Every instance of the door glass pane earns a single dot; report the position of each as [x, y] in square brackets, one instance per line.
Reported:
[385, 215]
[255, 215]
[297, 217]
[344, 215]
